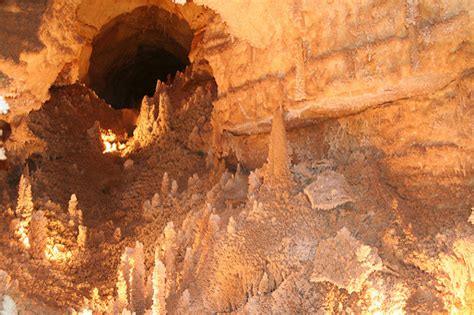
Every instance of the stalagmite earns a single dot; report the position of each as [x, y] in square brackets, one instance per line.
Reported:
[74, 212]
[24, 209]
[164, 112]
[236, 157]
[38, 234]
[193, 180]
[184, 304]
[148, 212]
[149, 292]
[137, 281]
[117, 234]
[278, 163]
[121, 287]
[188, 265]
[82, 236]
[174, 188]
[96, 303]
[125, 268]
[144, 131]
[170, 258]
[165, 185]
[156, 200]
[159, 286]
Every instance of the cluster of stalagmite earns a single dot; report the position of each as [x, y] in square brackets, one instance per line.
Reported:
[30, 226]
[137, 293]
[154, 119]
[310, 159]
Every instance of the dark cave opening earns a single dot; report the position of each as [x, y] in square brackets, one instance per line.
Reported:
[133, 51]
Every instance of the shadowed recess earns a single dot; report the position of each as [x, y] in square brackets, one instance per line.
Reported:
[135, 50]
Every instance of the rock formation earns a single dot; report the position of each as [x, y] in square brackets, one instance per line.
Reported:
[257, 157]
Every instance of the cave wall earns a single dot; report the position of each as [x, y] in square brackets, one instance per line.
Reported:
[334, 58]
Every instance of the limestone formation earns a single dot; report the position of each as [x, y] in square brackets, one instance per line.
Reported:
[38, 234]
[278, 162]
[122, 295]
[137, 279]
[165, 185]
[345, 262]
[244, 157]
[74, 212]
[24, 209]
[159, 289]
[328, 191]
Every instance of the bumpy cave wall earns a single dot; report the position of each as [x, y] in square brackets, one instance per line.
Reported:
[380, 90]
[334, 57]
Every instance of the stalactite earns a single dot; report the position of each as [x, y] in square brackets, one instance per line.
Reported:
[411, 23]
[38, 234]
[300, 84]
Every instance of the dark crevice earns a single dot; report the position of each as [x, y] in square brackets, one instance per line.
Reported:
[135, 50]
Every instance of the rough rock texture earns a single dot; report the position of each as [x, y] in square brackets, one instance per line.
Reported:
[328, 191]
[202, 195]
[345, 262]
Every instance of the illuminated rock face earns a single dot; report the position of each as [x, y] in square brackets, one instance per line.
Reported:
[262, 156]
[345, 262]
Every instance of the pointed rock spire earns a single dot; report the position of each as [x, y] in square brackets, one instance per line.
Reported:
[38, 234]
[164, 112]
[137, 281]
[278, 162]
[165, 185]
[159, 286]
[24, 208]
